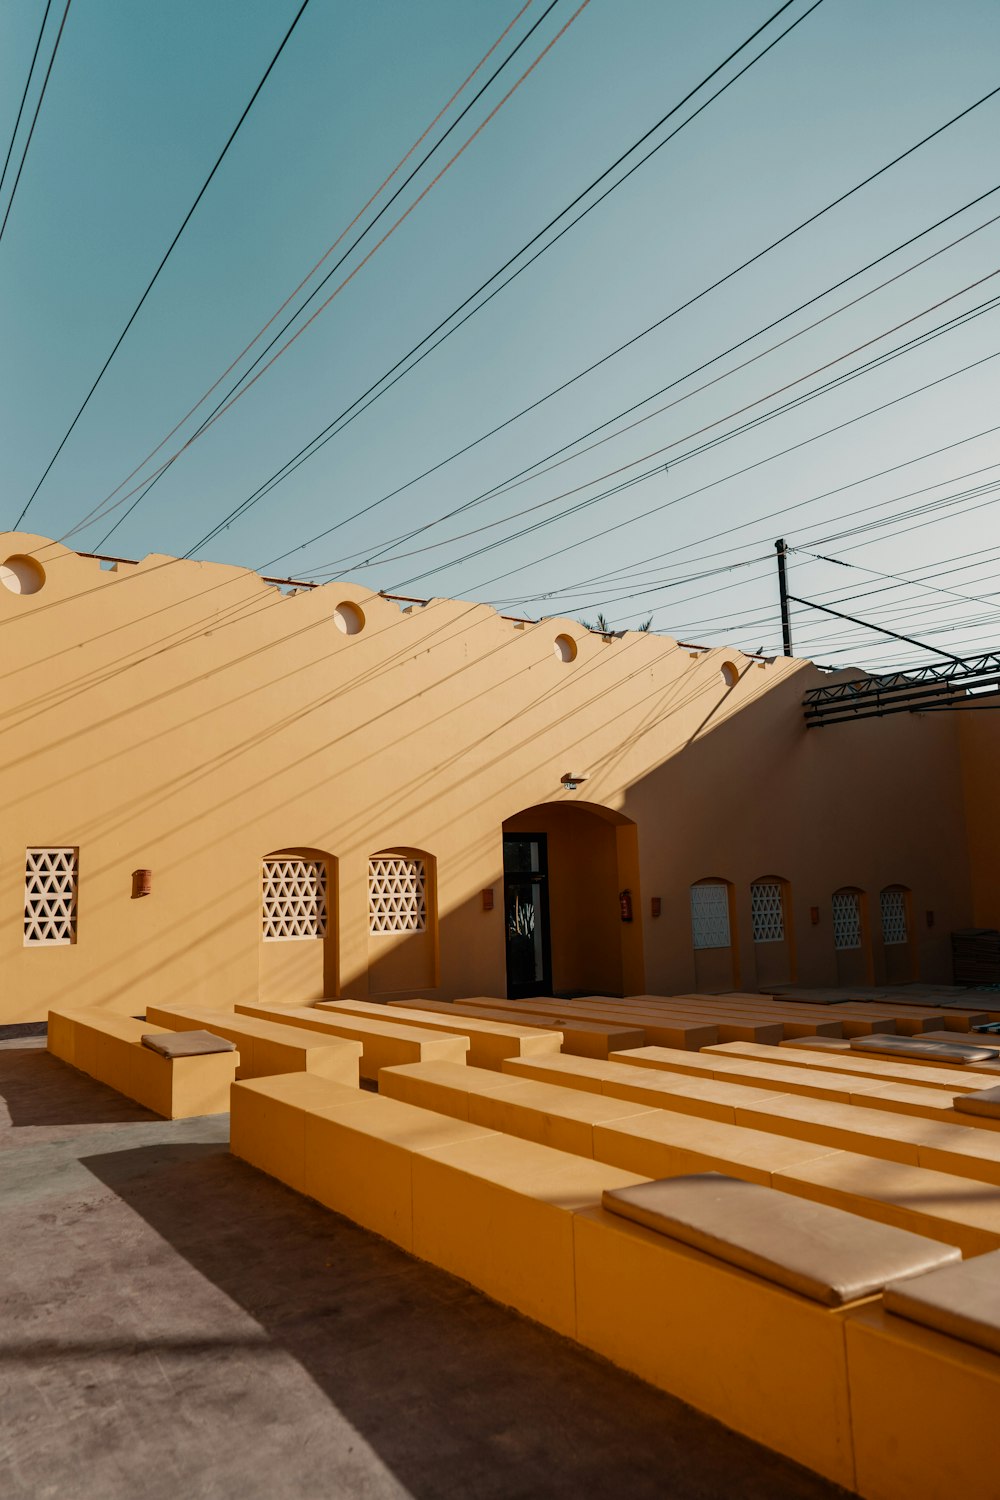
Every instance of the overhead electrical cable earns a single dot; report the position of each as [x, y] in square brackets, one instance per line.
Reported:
[533, 470]
[156, 274]
[105, 508]
[356, 406]
[321, 438]
[351, 248]
[748, 468]
[24, 96]
[34, 118]
[386, 555]
[918, 341]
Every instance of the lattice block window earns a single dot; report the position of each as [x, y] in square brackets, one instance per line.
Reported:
[710, 916]
[51, 877]
[893, 904]
[294, 905]
[846, 919]
[767, 914]
[397, 894]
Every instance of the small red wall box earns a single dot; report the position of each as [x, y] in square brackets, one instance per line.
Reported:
[488, 899]
[655, 906]
[814, 915]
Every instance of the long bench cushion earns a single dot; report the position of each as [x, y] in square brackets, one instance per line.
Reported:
[984, 1102]
[962, 1301]
[819, 1252]
[186, 1043]
[904, 1046]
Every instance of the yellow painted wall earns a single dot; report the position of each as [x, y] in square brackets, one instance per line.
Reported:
[188, 718]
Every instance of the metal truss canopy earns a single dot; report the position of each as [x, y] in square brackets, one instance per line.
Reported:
[953, 685]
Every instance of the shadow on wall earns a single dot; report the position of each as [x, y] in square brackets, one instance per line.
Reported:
[454, 1394]
[852, 810]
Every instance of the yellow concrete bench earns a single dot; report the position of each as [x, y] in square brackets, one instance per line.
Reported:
[384, 1043]
[658, 1143]
[739, 1305]
[626, 1012]
[489, 1041]
[852, 1064]
[109, 1048]
[267, 1047]
[940, 1205]
[662, 1030]
[495, 1211]
[580, 1038]
[944, 1147]
[543, 1112]
[924, 1372]
[886, 1093]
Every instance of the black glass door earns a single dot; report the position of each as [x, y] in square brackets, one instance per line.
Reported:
[526, 915]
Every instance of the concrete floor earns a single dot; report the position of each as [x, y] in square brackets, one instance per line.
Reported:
[176, 1324]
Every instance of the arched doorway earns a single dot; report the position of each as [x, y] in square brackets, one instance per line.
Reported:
[298, 942]
[572, 910]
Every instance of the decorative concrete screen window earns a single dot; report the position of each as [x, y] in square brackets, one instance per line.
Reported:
[397, 894]
[294, 904]
[50, 887]
[893, 905]
[846, 919]
[710, 916]
[766, 913]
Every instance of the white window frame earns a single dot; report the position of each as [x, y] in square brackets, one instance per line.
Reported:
[51, 895]
[710, 925]
[767, 912]
[892, 908]
[397, 894]
[294, 899]
[848, 902]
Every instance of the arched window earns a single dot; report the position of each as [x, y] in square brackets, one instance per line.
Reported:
[710, 926]
[397, 892]
[294, 903]
[767, 910]
[893, 902]
[847, 930]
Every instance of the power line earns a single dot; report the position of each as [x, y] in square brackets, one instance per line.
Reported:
[169, 251]
[34, 118]
[793, 403]
[105, 508]
[350, 249]
[356, 407]
[324, 436]
[24, 96]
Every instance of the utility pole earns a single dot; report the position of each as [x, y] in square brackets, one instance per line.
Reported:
[786, 624]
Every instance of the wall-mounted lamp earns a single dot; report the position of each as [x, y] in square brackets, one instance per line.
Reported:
[142, 883]
[487, 896]
[571, 782]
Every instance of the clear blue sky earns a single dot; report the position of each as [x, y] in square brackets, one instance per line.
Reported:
[141, 99]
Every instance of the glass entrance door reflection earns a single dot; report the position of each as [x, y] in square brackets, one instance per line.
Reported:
[526, 914]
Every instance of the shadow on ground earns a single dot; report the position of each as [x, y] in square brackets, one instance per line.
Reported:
[439, 1392]
[38, 1089]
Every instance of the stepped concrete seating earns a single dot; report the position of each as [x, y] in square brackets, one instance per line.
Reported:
[924, 1373]
[657, 1143]
[109, 1048]
[987, 1039]
[616, 1013]
[982, 1102]
[580, 1038]
[494, 1210]
[738, 1302]
[874, 1093]
[489, 1041]
[383, 1043]
[267, 1047]
[944, 1147]
[854, 1065]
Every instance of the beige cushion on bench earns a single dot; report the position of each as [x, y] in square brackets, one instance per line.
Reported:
[186, 1043]
[963, 1301]
[905, 1046]
[819, 1252]
[983, 1102]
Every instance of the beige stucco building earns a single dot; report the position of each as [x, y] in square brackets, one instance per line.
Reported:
[323, 789]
